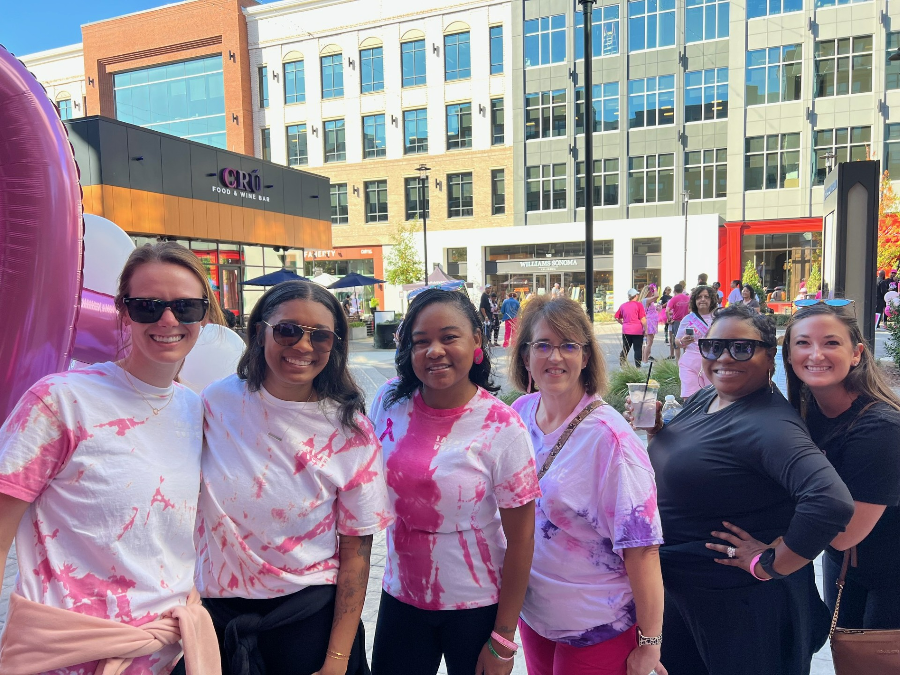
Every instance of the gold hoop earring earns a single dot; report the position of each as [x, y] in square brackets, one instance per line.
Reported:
[771, 384]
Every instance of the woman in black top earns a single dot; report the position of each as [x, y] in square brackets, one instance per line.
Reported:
[738, 453]
[854, 417]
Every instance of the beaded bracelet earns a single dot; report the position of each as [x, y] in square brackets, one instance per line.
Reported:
[493, 651]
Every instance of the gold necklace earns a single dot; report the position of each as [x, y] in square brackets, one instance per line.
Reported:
[266, 416]
[156, 411]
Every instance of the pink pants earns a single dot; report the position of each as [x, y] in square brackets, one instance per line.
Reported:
[511, 325]
[546, 657]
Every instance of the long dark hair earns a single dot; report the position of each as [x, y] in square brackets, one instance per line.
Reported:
[479, 373]
[864, 379]
[334, 382]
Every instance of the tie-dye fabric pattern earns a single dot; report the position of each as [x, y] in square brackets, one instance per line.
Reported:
[598, 498]
[113, 491]
[270, 511]
[448, 472]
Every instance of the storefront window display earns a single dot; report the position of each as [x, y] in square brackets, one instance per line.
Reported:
[782, 260]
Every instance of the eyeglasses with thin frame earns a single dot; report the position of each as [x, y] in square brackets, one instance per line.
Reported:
[151, 310]
[543, 349]
[740, 350]
[288, 334]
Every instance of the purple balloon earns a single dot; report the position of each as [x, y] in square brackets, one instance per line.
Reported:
[40, 235]
[98, 337]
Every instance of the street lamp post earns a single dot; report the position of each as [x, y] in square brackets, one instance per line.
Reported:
[587, 7]
[685, 198]
[423, 178]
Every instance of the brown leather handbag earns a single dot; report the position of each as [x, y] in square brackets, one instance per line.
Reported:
[861, 651]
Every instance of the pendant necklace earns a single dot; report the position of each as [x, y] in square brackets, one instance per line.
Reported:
[155, 410]
[266, 417]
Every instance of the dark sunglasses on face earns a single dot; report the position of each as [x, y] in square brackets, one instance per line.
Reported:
[740, 350]
[150, 310]
[288, 334]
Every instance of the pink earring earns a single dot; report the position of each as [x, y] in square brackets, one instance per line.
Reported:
[479, 355]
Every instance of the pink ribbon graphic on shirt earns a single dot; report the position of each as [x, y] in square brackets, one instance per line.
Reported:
[388, 431]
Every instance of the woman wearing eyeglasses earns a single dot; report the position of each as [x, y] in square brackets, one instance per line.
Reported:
[100, 473]
[739, 453]
[292, 494]
[594, 603]
[693, 327]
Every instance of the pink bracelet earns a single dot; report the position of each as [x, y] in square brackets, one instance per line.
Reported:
[753, 567]
[512, 646]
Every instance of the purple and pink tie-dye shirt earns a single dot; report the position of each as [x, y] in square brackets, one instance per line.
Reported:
[448, 472]
[270, 511]
[113, 494]
[598, 498]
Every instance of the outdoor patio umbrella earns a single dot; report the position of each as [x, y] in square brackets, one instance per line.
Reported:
[452, 285]
[273, 278]
[324, 279]
[355, 279]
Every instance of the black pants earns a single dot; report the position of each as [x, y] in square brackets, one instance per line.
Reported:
[635, 342]
[865, 603]
[411, 641]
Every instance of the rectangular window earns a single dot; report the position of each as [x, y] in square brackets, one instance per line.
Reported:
[706, 174]
[651, 24]
[651, 179]
[294, 82]
[459, 195]
[266, 144]
[651, 102]
[65, 108]
[415, 131]
[835, 3]
[459, 126]
[457, 57]
[757, 8]
[545, 114]
[545, 40]
[371, 70]
[332, 76]
[545, 187]
[376, 201]
[843, 66]
[412, 56]
[706, 95]
[892, 68]
[892, 149]
[297, 150]
[604, 32]
[374, 144]
[498, 192]
[846, 144]
[606, 183]
[605, 108]
[496, 50]
[774, 75]
[498, 126]
[335, 141]
[415, 188]
[706, 20]
[263, 77]
[339, 209]
[772, 162]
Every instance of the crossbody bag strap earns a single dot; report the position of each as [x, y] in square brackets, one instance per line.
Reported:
[579, 418]
[842, 579]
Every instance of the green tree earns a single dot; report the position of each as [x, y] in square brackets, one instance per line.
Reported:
[403, 263]
[814, 280]
[751, 277]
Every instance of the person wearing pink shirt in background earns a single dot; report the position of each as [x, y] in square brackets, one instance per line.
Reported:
[100, 473]
[461, 477]
[677, 308]
[693, 327]
[633, 318]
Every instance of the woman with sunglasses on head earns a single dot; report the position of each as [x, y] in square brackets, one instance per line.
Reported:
[739, 453]
[292, 494]
[693, 327]
[460, 472]
[594, 603]
[100, 473]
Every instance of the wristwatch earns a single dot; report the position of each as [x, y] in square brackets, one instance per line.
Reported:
[766, 561]
[644, 641]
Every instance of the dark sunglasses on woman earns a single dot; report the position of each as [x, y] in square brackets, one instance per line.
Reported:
[740, 350]
[150, 310]
[288, 334]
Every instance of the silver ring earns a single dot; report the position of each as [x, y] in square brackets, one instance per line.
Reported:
[731, 551]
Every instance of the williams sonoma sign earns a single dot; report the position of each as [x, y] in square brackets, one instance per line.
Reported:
[240, 184]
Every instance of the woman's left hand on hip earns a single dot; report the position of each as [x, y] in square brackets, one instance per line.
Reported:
[741, 548]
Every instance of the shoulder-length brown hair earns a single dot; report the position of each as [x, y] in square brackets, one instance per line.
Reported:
[567, 318]
[713, 299]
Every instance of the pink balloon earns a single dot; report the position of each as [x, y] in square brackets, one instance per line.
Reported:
[98, 337]
[40, 235]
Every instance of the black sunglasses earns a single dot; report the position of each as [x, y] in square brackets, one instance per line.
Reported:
[288, 334]
[150, 310]
[740, 350]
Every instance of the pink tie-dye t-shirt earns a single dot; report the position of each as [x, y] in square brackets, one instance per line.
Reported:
[598, 498]
[113, 490]
[448, 472]
[271, 511]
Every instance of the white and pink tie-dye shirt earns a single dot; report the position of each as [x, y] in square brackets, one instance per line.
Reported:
[448, 472]
[113, 490]
[598, 498]
[271, 511]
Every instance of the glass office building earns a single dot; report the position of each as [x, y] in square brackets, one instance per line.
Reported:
[185, 99]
